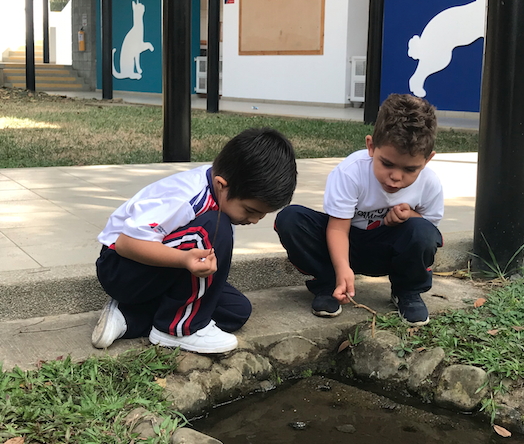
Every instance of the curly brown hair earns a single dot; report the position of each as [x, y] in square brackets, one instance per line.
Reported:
[408, 123]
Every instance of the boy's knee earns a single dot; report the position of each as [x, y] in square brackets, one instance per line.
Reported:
[423, 232]
[288, 218]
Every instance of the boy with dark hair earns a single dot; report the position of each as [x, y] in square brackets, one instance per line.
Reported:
[383, 207]
[167, 251]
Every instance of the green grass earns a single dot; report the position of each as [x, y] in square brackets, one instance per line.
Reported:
[53, 131]
[490, 337]
[86, 402]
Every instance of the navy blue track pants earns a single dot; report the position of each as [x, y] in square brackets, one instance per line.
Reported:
[404, 252]
[172, 299]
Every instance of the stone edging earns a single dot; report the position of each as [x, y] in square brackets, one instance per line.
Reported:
[202, 381]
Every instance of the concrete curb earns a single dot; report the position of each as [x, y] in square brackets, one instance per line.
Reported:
[75, 289]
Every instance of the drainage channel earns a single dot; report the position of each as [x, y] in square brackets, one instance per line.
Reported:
[321, 410]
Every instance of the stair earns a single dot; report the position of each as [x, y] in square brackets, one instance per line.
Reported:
[49, 77]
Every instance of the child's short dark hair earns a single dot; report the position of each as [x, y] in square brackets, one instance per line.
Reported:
[408, 123]
[260, 164]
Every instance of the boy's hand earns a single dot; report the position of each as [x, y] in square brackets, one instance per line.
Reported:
[201, 263]
[345, 286]
[398, 214]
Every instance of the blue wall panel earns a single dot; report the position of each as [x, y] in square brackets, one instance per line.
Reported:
[150, 61]
[456, 87]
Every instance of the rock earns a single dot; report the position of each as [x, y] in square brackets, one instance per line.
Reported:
[266, 386]
[187, 396]
[186, 435]
[141, 421]
[219, 382]
[509, 418]
[376, 358]
[294, 350]
[421, 367]
[346, 428]
[191, 361]
[249, 364]
[458, 385]
[298, 425]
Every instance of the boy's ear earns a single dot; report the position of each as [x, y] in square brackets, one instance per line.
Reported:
[430, 157]
[370, 146]
[221, 182]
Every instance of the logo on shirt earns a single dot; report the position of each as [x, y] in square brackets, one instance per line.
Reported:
[158, 228]
[374, 218]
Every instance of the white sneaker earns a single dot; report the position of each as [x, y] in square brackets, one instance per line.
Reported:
[111, 326]
[209, 339]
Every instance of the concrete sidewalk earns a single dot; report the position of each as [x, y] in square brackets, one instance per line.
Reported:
[51, 217]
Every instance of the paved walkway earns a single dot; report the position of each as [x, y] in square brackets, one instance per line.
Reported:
[52, 216]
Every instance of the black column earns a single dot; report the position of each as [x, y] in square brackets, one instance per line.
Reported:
[213, 54]
[29, 47]
[374, 60]
[499, 211]
[45, 6]
[107, 48]
[176, 80]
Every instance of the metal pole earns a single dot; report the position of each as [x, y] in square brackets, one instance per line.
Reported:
[107, 47]
[30, 82]
[374, 61]
[46, 30]
[213, 54]
[176, 79]
[499, 211]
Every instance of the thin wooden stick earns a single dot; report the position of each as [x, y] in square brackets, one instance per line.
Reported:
[373, 312]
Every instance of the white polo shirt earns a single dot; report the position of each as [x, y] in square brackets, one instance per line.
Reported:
[353, 192]
[162, 207]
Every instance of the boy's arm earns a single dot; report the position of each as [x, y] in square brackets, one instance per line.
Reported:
[159, 255]
[337, 235]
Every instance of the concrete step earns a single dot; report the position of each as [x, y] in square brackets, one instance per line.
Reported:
[278, 313]
[41, 65]
[74, 289]
[22, 59]
[38, 71]
[50, 86]
[42, 79]
[48, 77]
[38, 52]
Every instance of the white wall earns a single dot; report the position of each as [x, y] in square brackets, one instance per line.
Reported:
[62, 22]
[12, 27]
[311, 78]
[12, 24]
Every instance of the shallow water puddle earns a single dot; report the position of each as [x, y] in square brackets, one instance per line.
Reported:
[320, 410]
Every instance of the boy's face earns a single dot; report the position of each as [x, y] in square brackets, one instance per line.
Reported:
[240, 211]
[244, 211]
[395, 170]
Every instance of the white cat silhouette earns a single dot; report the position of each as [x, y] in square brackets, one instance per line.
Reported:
[457, 26]
[132, 46]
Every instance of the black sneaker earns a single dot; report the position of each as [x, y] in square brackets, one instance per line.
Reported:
[411, 309]
[325, 305]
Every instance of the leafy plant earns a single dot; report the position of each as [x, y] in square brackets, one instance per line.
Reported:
[494, 266]
[307, 373]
